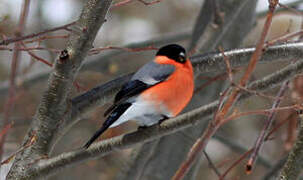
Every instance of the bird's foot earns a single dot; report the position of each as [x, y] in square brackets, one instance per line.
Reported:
[140, 128]
[163, 119]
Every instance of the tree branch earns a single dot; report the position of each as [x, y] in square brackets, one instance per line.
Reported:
[266, 129]
[102, 94]
[54, 106]
[142, 159]
[294, 166]
[10, 102]
[275, 169]
[99, 149]
[238, 148]
[21, 38]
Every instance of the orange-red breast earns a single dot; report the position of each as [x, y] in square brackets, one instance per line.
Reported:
[157, 91]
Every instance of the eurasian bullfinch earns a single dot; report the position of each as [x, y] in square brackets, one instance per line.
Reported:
[157, 91]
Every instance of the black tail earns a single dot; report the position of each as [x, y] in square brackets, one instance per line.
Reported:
[117, 112]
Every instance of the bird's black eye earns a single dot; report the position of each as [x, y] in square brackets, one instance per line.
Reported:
[182, 57]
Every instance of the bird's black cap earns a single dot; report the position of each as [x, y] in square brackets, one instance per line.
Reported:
[173, 51]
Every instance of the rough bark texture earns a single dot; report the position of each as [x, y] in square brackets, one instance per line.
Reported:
[54, 107]
[293, 166]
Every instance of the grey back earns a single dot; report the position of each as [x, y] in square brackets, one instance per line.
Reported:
[153, 73]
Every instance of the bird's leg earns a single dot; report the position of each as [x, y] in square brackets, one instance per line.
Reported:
[140, 128]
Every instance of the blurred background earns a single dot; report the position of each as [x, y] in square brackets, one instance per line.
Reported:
[130, 24]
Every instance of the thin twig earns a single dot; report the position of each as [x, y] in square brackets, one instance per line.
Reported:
[149, 3]
[239, 148]
[55, 105]
[31, 142]
[274, 129]
[37, 57]
[228, 66]
[255, 92]
[252, 62]
[294, 3]
[291, 9]
[6, 128]
[21, 38]
[283, 38]
[242, 157]
[42, 38]
[9, 105]
[211, 80]
[29, 49]
[98, 50]
[120, 3]
[211, 164]
[217, 122]
[124, 2]
[260, 140]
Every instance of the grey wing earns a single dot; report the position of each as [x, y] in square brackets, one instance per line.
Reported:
[153, 73]
[150, 74]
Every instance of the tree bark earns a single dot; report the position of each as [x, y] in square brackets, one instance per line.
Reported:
[54, 107]
[293, 166]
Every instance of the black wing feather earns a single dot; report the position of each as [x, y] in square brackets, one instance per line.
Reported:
[131, 89]
[109, 121]
[149, 75]
[128, 90]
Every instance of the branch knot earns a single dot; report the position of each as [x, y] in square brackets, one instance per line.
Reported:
[63, 56]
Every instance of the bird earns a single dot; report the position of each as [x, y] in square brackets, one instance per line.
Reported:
[159, 90]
